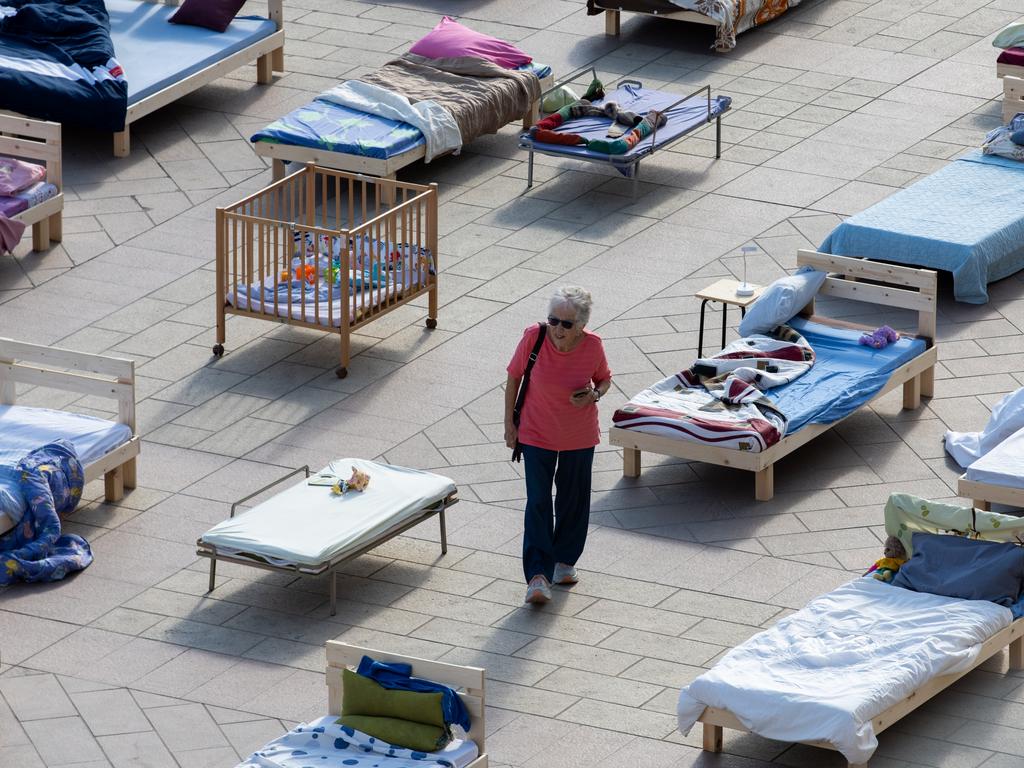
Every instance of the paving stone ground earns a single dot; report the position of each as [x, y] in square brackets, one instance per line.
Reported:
[836, 105]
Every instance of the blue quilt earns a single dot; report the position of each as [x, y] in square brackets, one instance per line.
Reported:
[57, 63]
[35, 550]
[967, 218]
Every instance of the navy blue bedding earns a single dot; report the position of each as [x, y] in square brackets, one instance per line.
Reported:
[57, 63]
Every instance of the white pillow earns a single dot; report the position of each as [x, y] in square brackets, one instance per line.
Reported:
[781, 300]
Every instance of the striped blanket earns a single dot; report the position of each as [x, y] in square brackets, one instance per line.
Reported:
[719, 400]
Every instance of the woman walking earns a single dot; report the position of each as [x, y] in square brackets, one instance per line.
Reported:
[556, 432]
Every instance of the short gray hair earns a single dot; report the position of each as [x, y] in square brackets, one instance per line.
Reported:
[576, 297]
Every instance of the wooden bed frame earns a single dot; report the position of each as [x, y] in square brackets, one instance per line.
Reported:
[984, 494]
[1013, 95]
[268, 54]
[469, 682]
[330, 567]
[1011, 637]
[385, 168]
[612, 15]
[63, 369]
[844, 281]
[38, 141]
[255, 242]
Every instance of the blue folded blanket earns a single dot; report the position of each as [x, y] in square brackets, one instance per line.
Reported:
[399, 676]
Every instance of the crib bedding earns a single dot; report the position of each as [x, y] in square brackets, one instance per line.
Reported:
[965, 218]
[1003, 465]
[822, 673]
[682, 119]
[136, 27]
[12, 205]
[24, 429]
[308, 525]
[322, 124]
[327, 744]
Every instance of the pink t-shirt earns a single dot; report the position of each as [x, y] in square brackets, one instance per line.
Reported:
[549, 420]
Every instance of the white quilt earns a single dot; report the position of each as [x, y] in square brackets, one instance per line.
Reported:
[824, 672]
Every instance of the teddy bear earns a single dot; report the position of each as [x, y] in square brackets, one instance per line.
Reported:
[893, 556]
[880, 338]
[357, 482]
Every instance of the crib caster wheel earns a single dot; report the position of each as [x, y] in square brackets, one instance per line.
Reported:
[341, 371]
[431, 322]
[218, 350]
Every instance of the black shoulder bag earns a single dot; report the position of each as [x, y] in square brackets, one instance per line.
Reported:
[517, 452]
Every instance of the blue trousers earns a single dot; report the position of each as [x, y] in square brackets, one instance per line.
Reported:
[555, 533]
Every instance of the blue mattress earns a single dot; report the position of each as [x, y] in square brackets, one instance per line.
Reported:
[967, 218]
[682, 119]
[332, 127]
[845, 374]
[155, 53]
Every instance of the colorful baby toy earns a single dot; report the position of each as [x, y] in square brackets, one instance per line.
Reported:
[894, 556]
[880, 338]
[357, 482]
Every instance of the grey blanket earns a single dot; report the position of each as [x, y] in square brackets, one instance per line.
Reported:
[481, 95]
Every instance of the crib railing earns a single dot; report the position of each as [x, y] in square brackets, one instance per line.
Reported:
[327, 249]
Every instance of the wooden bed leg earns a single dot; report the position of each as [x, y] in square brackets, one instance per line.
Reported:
[57, 227]
[1016, 649]
[981, 504]
[264, 69]
[277, 169]
[928, 382]
[764, 483]
[346, 344]
[611, 22]
[122, 143]
[129, 474]
[532, 116]
[912, 393]
[41, 235]
[631, 462]
[113, 484]
[277, 59]
[712, 737]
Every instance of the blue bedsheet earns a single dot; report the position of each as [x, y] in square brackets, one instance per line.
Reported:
[967, 218]
[682, 119]
[845, 374]
[325, 125]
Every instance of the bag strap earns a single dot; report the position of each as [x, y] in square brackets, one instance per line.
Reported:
[526, 374]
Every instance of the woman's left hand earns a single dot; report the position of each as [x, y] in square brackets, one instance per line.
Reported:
[583, 398]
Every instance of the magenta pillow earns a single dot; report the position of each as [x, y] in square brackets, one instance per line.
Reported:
[16, 175]
[449, 38]
[212, 14]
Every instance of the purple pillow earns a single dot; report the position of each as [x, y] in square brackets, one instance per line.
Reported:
[212, 14]
[449, 38]
[16, 175]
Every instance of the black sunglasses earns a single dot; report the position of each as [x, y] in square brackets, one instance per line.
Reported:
[554, 322]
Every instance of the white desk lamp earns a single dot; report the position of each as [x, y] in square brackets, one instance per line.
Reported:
[745, 288]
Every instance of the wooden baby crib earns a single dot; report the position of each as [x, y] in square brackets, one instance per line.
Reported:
[327, 250]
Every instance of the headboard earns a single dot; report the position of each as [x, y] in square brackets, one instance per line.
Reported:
[27, 138]
[469, 679]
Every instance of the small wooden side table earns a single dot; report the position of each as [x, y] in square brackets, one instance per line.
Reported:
[724, 292]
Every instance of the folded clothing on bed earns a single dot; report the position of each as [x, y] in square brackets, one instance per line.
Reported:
[823, 673]
[16, 175]
[12, 205]
[1012, 56]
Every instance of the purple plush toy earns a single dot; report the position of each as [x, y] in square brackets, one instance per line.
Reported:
[880, 338]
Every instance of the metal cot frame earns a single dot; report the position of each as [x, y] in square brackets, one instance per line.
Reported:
[329, 566]
[620, 162]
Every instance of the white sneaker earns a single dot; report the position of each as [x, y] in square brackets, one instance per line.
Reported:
[565, 574]
[538, 591]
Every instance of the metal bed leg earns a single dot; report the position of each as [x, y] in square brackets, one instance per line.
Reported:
[444, 533]
[636, 177]
[213, 573]
[700, 331]
[334, 592]
[529, 171]
[718, 137]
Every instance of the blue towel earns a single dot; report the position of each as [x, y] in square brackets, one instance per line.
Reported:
[399, 677]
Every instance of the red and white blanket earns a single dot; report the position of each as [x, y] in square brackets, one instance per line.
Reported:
[718, 400]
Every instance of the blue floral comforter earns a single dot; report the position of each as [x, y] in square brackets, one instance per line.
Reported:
[35, 549]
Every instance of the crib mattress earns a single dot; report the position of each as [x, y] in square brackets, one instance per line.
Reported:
[682, 119]
[966, 219]
[24, 429]
[1003, 465]
[334, 128]
[308, 525]
[155, 53]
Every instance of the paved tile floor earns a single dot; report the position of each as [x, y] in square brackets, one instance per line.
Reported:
[836, 105]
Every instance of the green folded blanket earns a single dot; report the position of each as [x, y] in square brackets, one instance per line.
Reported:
[409, 719]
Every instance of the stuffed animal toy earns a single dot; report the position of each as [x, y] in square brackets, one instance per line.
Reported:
[880, 338]
[893, 556]
[357, 482]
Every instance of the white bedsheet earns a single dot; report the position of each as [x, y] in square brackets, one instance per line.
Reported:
[326, 744]
[24, 429]
[309, 525]
[1007, 418]
[1003, 465]
[825, 671]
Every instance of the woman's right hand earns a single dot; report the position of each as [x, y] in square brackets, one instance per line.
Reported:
[511, 434]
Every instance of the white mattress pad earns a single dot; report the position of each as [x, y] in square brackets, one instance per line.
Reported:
[309, 525]
[1003, 465]
[823, 673]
